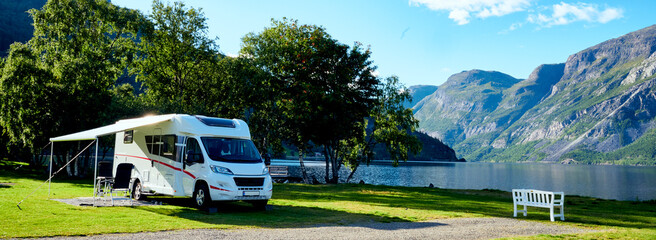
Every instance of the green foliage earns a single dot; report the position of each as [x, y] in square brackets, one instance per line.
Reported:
[432, 149]
[29, 98]
[317, 79]
[61, 81]
[292, 83]
[324, 90]
[391, 125]
[176, 59]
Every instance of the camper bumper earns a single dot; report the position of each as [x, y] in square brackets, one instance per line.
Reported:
[242, 190]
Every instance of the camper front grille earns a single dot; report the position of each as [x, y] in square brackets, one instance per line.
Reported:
[249, 182]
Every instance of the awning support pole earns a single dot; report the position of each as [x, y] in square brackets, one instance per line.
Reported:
[95, 174]
[52, 147]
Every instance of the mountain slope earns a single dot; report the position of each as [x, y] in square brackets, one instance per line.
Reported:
[457, 110]
[16, 23]
[594, 106]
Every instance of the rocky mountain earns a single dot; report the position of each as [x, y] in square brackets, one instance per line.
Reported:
[459, 108]
[597, 107]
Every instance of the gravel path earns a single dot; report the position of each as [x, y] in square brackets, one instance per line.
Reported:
[458, 228]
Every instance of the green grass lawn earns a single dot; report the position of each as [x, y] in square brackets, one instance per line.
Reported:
[297, 205]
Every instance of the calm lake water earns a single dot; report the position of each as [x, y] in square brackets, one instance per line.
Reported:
[606, 182]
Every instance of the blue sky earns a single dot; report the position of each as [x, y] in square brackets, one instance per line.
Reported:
[426, 41]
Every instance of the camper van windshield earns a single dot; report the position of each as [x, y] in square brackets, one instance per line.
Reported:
[231, 150]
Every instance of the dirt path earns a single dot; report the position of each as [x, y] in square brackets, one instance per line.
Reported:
[458, 228]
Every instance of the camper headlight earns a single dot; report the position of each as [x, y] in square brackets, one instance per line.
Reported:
[219, 169]
[265, 170]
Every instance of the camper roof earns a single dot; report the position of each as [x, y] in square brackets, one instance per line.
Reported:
[195, 125]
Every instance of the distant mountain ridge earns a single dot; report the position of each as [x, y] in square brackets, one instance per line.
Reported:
[597, 107]
[16, 23]
[419, 92]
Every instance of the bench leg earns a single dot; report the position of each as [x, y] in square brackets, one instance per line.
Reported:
[515, 211]
[562, 213]
[551, 213]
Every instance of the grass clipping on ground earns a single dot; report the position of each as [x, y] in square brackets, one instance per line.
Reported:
[295, 205]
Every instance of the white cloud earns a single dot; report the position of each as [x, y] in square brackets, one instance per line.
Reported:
[462, 10]
[565, 13]
[512, 27]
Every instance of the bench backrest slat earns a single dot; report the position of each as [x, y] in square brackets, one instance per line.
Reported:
[535, 197]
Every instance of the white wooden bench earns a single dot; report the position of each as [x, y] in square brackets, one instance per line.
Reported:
[537, 198]
[279, 171]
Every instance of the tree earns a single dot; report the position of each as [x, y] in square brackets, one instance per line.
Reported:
[321, 88]
[61, 79]
[238, 91]
[392, 125]
[29, 98]
[176, 59]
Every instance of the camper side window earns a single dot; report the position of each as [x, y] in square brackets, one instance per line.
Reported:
[161, 145]
[127, 136]
[168, 147]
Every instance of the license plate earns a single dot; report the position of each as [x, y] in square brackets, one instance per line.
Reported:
[251, 193]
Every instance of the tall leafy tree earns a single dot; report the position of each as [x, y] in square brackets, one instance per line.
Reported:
[321, 88]
[282, 52]
[238, 91]
[176, 58]
[30, 97]
[389, 123]
[61, 79]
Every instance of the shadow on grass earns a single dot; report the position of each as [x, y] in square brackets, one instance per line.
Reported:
[298, 205]
[492, 203]
[276, 216]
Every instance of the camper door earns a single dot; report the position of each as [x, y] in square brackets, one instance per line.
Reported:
[193, 165]
[165, 163]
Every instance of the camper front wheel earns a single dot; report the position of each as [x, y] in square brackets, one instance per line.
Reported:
[202, 197]
[137, 191]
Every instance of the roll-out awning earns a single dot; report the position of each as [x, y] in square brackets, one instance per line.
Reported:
[119, 126]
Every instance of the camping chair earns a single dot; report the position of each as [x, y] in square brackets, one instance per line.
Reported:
[104, 179]
[122, 181]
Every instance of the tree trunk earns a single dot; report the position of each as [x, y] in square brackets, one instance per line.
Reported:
[306, 180]
[335, 167]
[348, 179]
[325, 156]
[68, 167]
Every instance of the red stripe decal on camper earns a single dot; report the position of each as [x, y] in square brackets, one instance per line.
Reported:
[165, 164]
[188, 173]
[160, 162]
[220, 189]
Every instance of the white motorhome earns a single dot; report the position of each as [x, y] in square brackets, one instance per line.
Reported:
[208, 159]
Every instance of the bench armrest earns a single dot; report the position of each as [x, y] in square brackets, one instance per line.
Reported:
[561, 199]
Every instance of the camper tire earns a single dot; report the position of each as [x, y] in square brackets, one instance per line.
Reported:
[201, 198]
[260, 204]
[137, 191]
